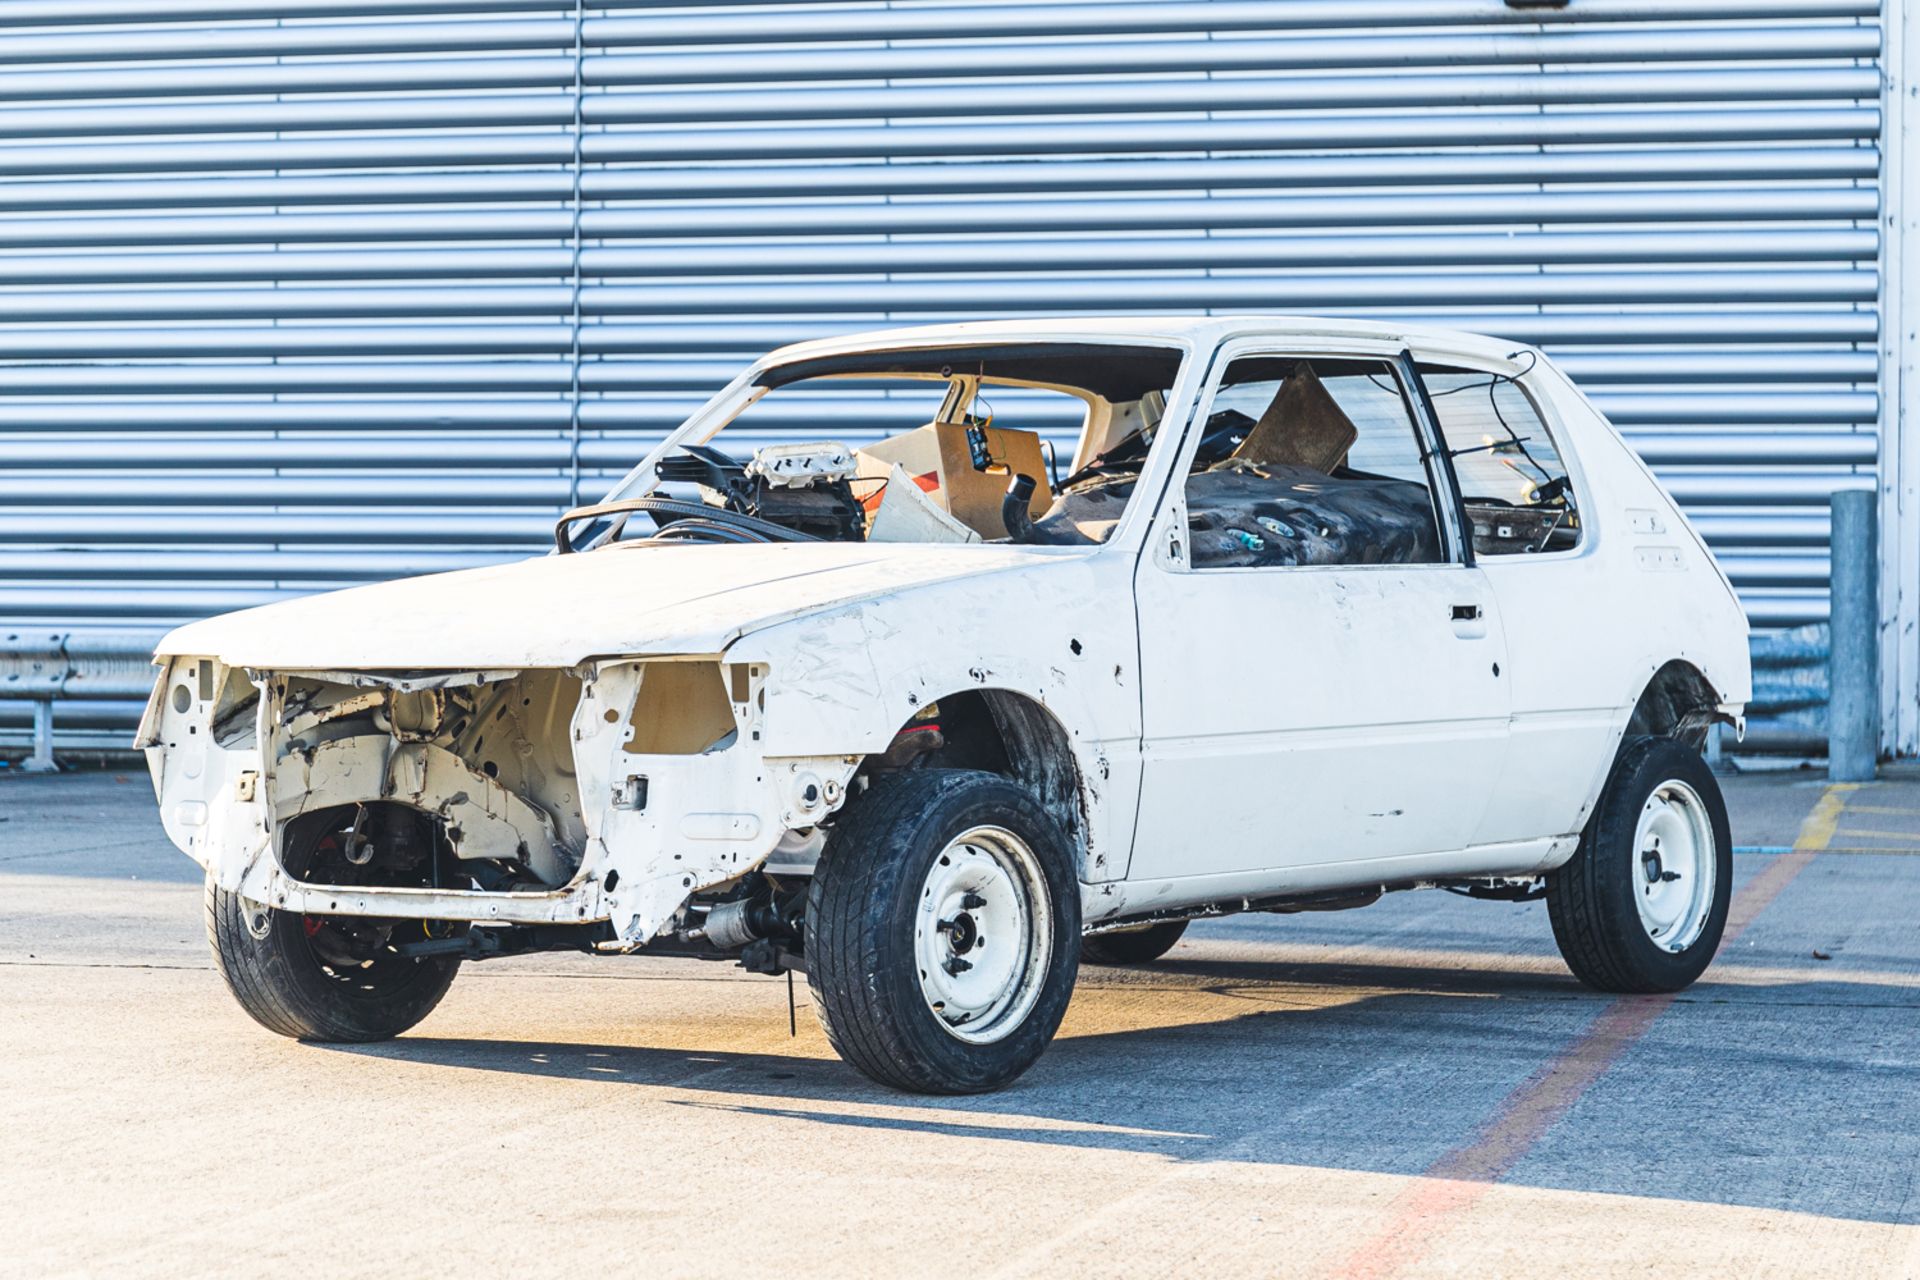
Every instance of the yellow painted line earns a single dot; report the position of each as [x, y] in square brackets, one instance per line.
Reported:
[1816, 834]
[1458, 1179]
[1879, 835]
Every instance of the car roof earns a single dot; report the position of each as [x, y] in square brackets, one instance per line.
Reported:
[1201, 332]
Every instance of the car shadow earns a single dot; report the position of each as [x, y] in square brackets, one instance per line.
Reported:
[1362, 1067]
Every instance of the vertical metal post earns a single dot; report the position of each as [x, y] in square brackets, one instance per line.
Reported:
[41, 761]
[573, 241]
[1853, 670]
[1899, 453]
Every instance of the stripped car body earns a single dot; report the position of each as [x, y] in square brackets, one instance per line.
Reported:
[615, 736]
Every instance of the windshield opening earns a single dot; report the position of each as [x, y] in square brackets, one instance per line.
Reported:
[1030, 442]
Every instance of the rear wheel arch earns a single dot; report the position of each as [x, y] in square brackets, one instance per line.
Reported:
[1678, 702]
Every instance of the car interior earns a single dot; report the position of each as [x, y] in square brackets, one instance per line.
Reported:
[1301, 460]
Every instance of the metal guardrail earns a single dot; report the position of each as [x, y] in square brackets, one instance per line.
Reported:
[43, 667]
[1788, 712]
[1815, 688]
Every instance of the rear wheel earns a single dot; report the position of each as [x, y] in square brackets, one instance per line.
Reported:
[328, 978]
[1643, 903]
[940, 933]
[1132, 946]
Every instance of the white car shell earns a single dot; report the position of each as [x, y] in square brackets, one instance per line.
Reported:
[1205, 737]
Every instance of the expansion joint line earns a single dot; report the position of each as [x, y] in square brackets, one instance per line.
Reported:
[573, 318]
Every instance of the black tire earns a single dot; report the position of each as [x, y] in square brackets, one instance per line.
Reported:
[1133, 946]
[1592, 900]
[861, 931]
[271, 965]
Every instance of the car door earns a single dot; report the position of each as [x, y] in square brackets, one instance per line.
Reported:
[1526, 513]
[1313, 704]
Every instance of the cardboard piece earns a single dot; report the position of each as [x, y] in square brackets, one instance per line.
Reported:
[1304, 426]
[939, 458]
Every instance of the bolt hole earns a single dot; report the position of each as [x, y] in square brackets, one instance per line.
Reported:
[1075, 646]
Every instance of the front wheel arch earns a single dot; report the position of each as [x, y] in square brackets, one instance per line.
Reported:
[1018, 737]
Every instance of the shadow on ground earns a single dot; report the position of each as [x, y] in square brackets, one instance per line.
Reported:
[1341, 1066]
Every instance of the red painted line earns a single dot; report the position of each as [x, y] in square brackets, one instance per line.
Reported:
[1460, 1177]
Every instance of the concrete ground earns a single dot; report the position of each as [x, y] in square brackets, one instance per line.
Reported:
[1416, 1089]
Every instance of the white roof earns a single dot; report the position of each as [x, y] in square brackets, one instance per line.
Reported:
[1200, 331]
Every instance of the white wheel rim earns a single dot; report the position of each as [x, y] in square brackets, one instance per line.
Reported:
[983, 934]
[1674, 866]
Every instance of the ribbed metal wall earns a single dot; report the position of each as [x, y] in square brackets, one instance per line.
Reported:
[300, 293]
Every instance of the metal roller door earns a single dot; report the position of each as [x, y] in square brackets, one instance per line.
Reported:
[304, 293]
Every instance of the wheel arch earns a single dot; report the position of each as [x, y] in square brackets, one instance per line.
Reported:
[1015, 735]
[1679, 701]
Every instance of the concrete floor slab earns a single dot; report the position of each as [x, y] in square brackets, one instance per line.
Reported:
[1414, 1089]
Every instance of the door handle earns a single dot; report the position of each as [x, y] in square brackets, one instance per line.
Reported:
[1466, 612]
[1469, 621]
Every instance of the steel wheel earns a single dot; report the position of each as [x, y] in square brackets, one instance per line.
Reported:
[1642, 904]
[983, 934]
[942, 931]
[1673, 843]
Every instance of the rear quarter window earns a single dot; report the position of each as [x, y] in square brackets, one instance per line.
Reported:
[1513, 482]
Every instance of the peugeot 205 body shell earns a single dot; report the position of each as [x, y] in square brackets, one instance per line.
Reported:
[1329, 728]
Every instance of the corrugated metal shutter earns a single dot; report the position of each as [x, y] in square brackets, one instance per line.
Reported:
[300, 294]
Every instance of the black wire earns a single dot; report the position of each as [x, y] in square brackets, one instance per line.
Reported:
[1493, 399]
[701, 529]
[1492, 385]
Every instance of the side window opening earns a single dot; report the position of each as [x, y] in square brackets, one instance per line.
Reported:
[1310, 461]
[1513, 483]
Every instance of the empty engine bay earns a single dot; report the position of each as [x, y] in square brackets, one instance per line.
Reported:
[487, 763]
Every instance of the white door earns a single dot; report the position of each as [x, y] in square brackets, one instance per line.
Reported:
[1523, 508]
[1349, 708]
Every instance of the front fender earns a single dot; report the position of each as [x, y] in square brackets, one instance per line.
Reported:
[842, 682]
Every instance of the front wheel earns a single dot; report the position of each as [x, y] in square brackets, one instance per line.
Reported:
[321, 977]
[339, 978]
[942, 931]
[1643, 902]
